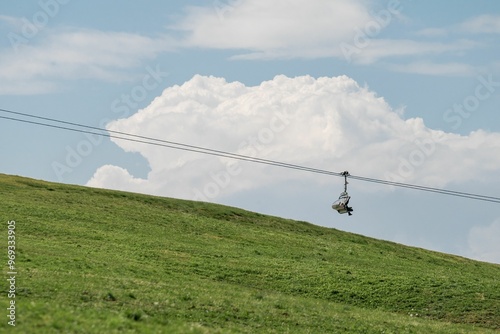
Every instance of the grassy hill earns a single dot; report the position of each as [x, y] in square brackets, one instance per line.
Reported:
[99, 261]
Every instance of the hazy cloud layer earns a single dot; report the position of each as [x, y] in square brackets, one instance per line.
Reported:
[346, 29]
[285, 28]
[327, 123]
[42, 59]
[353, 31]
[483, 24]
[45, 63]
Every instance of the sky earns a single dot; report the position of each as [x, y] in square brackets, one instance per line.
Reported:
[398, 90]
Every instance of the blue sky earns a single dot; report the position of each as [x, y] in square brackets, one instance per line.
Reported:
[405, 90]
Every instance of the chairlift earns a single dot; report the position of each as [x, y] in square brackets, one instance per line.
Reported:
[342, 204]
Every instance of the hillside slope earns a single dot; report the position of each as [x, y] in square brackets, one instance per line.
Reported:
[95, 261]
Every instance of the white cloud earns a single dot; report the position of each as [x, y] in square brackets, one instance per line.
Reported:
[429, 68]
[116, 178]
[327, 123]
[379, 49]
[286, 29]
[433, 32]
[482, 24]
[343, 29]
[484, 242]
[485, 24]
[12, 22]
[44, 64]
[274, 26]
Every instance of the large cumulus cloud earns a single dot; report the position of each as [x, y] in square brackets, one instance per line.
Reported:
[328, 123]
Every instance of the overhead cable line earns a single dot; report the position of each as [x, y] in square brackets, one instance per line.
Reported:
[169, 144]
[429, 189]
[77, 127]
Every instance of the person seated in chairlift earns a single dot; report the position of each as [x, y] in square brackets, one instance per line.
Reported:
[345, 205]
[342, 204]
[348, 208]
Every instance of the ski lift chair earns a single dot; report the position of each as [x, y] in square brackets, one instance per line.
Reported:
[342, 204]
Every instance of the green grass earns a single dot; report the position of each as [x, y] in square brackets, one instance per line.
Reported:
[99, 261]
